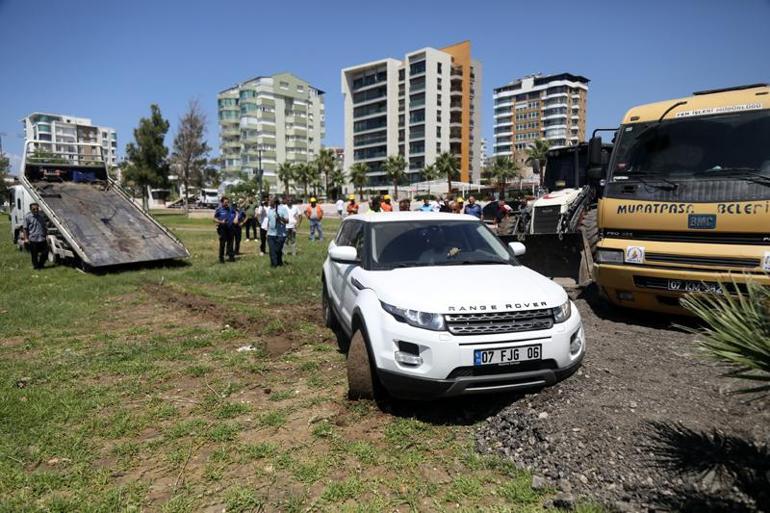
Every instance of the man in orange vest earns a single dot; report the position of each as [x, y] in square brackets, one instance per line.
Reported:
[385, 206]
[315, 213]
[352, 206]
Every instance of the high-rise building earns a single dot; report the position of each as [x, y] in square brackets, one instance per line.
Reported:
[550, 107]
[266, 121]
[57, 133]
[418, 107]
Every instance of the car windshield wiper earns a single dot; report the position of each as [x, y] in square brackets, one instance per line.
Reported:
[669, 185]
[475, 262]
[750, 174]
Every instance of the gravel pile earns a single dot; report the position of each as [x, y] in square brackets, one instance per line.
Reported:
[594, 436]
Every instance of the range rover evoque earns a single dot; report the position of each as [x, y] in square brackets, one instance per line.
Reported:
[432, 305]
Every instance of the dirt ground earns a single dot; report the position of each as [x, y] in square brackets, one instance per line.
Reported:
[644, 399]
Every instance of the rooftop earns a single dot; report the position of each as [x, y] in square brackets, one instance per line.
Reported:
[540, 79]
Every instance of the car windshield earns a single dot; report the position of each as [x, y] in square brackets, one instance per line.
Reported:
[695, 147]
[438, 243]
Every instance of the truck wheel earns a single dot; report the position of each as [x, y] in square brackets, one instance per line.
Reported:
[361, 380]
[590, 229]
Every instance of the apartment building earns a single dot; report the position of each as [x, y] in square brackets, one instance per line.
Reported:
[57, 133]
[550, 107]
[266, 121]
[419, 107]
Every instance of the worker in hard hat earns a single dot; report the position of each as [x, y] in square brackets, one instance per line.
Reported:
[352, 205]
[315, 214]
[458, 205]
[385, 205]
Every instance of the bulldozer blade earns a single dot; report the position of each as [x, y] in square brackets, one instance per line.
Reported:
[557, 258]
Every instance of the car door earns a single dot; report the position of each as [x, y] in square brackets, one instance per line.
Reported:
[349, 283]
[336, 269]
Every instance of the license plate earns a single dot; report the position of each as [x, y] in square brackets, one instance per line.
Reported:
[507, 355]
[694, 286]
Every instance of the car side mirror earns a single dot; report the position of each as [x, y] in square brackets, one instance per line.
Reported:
[595, 152]
[343, 254]
[518, 248]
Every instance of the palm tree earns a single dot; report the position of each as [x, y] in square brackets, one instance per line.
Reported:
[336, 179]
[395, 170]
[447, 165]
[358, 172]
[537, 152]
[304, 173]
[286, 175]
[430, 173]
[503, 168]
[325, 163]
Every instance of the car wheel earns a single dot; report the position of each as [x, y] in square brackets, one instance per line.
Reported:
[361, 380]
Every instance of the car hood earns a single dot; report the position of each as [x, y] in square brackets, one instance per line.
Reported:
[469, 288]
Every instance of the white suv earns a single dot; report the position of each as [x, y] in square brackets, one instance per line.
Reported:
[432, 305]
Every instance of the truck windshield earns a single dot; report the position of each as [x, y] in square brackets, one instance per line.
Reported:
[424, 243]
[695, 147]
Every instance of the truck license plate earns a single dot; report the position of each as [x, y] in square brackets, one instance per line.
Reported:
[694, 286]
[507, 355]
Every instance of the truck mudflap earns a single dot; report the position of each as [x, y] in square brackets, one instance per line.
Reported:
[560, 257]
[105, 228]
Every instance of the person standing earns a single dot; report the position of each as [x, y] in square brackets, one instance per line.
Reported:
[277, 219]
[385, 205]
[315, 214]
[224, 217]
[473, 208]
[35, 233]
[352, 205]
[251, 218]
[240, 220]
[262, 220]
[404, 205]
[340, 207]
[295, 219]
[426, 206]
[375, 206]
[457, 206]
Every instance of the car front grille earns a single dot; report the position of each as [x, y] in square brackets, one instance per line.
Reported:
[546, 219]
[499, 322]
[687, 260]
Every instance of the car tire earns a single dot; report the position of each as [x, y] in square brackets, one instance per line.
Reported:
[361, 379]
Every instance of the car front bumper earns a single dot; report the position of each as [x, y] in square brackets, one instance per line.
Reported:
[447, 361]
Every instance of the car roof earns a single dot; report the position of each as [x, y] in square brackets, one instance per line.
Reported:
[388, 217]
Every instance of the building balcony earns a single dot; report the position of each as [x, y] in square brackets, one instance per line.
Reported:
[575, 106]
[230, 132]
[554, 106]
[555, 95]
[554, 116]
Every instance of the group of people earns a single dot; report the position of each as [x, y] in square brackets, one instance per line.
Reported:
[276, 220]
[384, 203]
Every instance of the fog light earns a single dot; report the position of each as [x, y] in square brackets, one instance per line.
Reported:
[576, 342]
[408, 359]
[625, 296]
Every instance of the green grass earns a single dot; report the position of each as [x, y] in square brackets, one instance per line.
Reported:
[113, 400]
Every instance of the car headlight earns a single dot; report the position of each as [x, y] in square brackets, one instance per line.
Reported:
[609, 256]
[562, 313]
[428, 321]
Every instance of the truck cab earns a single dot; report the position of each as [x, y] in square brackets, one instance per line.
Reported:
[18, 203]
[686, 206]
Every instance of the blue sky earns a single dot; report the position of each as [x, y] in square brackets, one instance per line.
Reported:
[109, 60]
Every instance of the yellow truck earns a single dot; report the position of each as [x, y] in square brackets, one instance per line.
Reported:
[686, 205]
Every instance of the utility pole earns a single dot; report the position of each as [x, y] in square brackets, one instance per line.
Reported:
[259, 171]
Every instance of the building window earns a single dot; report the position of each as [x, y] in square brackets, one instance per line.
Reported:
[417, 116]
[417, 67]
[300, 88]
[438, 67]
[401, 74]
[284, 85]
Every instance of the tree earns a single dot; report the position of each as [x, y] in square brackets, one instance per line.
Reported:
[147, 156]
[337, 179]
[190, 149]
[395, 170]
[430, 173]
[286, 173]
[737, 331]
[358, 172]
[502, 169]
[325, 163]
[447, 165]
[304, 174]
[5, 169]
[537, 152]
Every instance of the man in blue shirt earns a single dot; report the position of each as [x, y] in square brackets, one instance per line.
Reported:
[473, 208]
[426, 206]
[277, 219]
[224, 217]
